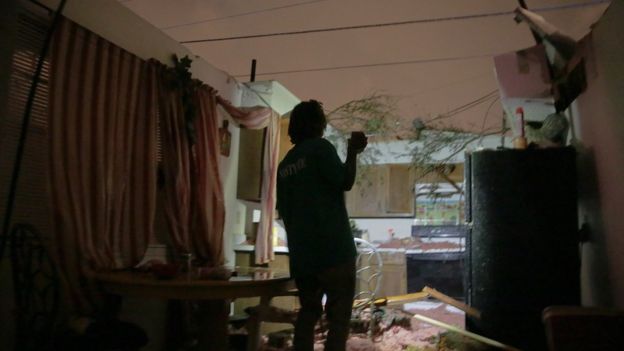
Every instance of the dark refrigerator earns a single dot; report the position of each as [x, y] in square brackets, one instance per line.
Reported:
[522, 247]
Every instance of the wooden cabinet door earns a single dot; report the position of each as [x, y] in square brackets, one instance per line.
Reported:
[366, 198]
[383, 191]
[250, 157]
[400, 190]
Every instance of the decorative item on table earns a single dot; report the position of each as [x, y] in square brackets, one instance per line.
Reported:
[147, 265]
[165, 270]
[215, 273]
[263, 275]
[160, 269]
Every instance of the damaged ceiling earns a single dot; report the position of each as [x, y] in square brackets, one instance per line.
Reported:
[434, 57]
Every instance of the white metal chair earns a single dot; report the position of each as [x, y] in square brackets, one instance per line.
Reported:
[369, 277]
[369, 271]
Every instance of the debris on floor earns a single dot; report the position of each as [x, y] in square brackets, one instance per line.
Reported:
[394, 329]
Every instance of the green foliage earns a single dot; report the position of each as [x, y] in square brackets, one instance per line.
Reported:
[430, 147]
[180, 78]
[432, 150]
[374, 114]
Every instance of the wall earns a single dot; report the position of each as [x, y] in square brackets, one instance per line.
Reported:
[600, 128]
[234, 209]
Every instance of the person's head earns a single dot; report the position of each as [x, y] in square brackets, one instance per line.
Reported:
[307, 121]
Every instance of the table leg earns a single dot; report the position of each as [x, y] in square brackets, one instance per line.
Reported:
[254, 323]
[111, 307]
[212, 325]
[179, 334]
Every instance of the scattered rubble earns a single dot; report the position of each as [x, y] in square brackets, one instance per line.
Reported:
[394, 329]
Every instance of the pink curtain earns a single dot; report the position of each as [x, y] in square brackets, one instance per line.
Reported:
[102, 154]
[258, 118]
[194, 203]
[176, 162]
[209, 191]
[264, 237]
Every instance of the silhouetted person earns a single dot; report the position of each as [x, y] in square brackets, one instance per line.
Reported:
[311, 181]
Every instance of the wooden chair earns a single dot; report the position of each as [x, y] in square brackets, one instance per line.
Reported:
[571, 328]
[37, 290]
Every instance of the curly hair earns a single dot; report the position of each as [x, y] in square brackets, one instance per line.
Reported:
[307, 120]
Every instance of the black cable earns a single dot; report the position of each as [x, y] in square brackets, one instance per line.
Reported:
[332, 68]
[239, 15]
[472, 103]
[466, 106]
[388, 24]
[8, 214]
[487, 112]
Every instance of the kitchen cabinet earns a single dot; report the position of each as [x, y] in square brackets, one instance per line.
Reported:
[400, 190]
[382, 191]
[366, 198]
[387, 190]
[250, 158]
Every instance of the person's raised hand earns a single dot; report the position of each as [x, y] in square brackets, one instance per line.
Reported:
[357, 143]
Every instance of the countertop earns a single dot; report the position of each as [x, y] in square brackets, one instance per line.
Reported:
[284, 250]
[251, 248]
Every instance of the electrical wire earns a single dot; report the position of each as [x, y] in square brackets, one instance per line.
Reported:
[465, 107]
[239, 15]
[471, 104]
[485, 117]
[380, 64]
[487, 112]
[389, 24]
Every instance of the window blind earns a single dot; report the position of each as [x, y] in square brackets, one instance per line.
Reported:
[32, 195]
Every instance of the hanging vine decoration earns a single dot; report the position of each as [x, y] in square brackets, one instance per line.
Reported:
[181, 79]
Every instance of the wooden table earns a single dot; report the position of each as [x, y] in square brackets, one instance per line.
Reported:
[249, 282]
